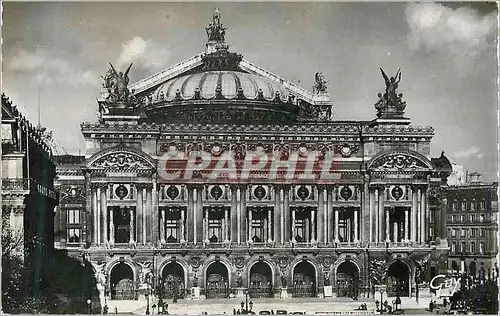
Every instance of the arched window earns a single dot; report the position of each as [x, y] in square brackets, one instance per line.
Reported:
[454, 265]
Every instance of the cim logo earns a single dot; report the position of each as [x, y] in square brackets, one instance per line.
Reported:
[444, 285]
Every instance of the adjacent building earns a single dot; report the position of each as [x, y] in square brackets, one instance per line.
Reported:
[473, 226]
[216, 175]
[28, 195]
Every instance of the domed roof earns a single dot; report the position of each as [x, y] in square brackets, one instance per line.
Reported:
[221, 85]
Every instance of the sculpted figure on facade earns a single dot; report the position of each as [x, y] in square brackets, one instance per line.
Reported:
[378, 271]
[116, 84]
[391, 102]
[100, 273]
[145, 271]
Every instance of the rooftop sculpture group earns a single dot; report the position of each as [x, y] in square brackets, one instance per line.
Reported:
[391, 102]
[116, 84]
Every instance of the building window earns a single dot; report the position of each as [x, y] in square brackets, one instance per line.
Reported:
[481, 218]
[455, 205]
[431, 218]
[483, 204]
[472, 218]
[73, 216]
[453, 247]
[464, 205]
[473, 247]
[482, 232]
[431, 233]
[463, 233]
[462, 218]
[473, 205]
[473, 232]
[73, 235]
[462, 246]
[172, 228]
[452, 219]
[481, 247]
[453, 232]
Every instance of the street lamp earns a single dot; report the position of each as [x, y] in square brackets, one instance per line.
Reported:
[89, 304]
[148, 280]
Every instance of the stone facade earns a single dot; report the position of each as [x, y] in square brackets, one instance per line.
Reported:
[374, 209]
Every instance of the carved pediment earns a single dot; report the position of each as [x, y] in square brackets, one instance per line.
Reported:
[398, 161]
[121, 160]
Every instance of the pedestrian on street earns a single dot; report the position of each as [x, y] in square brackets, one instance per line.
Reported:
[116, 310]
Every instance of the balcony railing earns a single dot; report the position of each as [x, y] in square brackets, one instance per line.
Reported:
[15, 184]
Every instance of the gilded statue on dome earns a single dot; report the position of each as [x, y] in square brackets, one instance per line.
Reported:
[215, 30]
[391, 86]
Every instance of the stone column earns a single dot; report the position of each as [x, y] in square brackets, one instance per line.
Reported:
[419, 218]
[95, 214]
[293, 225]
[234, 213]
[139, 215]
[381, 214]
[104, 211]
[406, 225]
[387, 225]
[414, 211]
[198, 237]
[277, 216]
[250, 211]
[156, 216]
[356, 225]
[321, 215]
[395, 231]
[150, 219]
[162, 225]
[205, 226]
[243, 215]
[336, 230]
[372, 215]
[99, 219]
[423, 213]
[330, 217]
[132, 226]
[111, 227]
[191, 222]
[226, 225]
[269, 226]
[313, 226]
[282, 216]
[183, 226]
[286, 212]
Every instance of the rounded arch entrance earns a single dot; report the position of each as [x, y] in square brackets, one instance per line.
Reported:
[216, 280]
[398, 279]
[173, 280]
[347, 279]
[122, 282]
[260, 280]
[304, 279]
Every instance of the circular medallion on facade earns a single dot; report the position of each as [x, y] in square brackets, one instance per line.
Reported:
[216, 150]
[345, 193]
[303, 192]
[259, 192]
[302, 151]
[397, 192]
[216, 192]
[239, 262]
[172, 192]
[121, 191]
[346, 150]
[73, 192]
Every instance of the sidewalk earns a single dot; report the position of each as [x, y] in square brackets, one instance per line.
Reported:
[307, 305]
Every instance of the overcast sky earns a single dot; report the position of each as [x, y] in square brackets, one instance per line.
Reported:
[447, 53]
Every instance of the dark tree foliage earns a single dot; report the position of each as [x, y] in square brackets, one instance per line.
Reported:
[66, 285]
[480, 297]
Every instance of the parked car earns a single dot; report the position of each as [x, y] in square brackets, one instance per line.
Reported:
[265, 313]
[281, 312]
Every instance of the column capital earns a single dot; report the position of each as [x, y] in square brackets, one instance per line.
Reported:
[421, 187]
[375, 186]
[102, 185]
[197, 186]
[283, 186]
[142, 185]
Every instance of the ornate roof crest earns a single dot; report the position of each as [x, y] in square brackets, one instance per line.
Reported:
[215, 30]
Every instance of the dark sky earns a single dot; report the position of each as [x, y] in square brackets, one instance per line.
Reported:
[447, 53]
